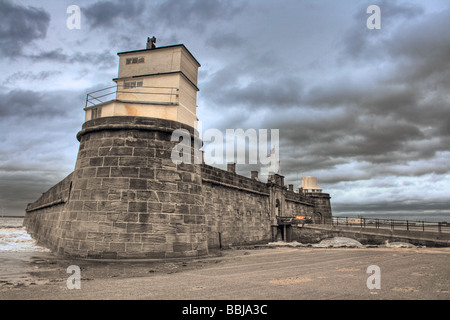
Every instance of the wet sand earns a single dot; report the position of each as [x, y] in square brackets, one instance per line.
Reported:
[248, 273]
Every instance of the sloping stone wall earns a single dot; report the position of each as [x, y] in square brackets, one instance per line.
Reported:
[44, 218]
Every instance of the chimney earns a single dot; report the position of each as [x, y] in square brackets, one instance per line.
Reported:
[254, 175]
[231, 167]
[291, 187]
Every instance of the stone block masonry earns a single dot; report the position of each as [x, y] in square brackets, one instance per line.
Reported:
[236, 208]
[127, 199]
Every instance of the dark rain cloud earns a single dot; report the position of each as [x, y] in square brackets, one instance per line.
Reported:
[32, 104]
[37, 142]
[30, 76]
[104, 14]
[102, 60]
[19, 26]
[261, 93]
[225, 40]
[195, 14]
[397, 112]
[152, 15]
[363, 44]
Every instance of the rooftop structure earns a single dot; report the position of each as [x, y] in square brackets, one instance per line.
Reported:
[157, 82]
[309, 184]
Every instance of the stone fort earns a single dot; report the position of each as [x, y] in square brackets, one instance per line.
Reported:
[126, 198]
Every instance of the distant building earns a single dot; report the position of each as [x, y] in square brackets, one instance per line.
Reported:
[309, 185]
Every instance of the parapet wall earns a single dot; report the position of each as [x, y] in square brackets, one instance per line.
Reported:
[58, 194]
[43, 218]
[241, 210]
[236, 208]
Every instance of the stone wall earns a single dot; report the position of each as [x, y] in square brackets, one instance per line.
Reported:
[128, 199]
[241, 210]
[58, 194]
[297, 204]
[44, 218]
[236, 208]
[322, 206]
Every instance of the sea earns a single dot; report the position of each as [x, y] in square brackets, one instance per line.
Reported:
[14, 237]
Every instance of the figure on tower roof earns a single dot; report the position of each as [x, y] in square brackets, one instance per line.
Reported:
[151, 43]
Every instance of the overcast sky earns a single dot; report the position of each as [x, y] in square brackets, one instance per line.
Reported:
[366, 111]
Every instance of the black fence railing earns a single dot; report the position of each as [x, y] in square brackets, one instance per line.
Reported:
[393, 224]
[132, 92]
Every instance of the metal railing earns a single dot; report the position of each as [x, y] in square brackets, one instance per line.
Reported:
[136, 93]
[392, 224]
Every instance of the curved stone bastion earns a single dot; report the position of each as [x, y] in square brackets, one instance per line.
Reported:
[126, 197]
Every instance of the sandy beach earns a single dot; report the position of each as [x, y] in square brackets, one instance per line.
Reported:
[260, 273]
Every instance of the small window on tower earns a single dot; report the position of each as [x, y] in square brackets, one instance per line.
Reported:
[126, 85]
[132, 84]
[96, 113]
[135, 60]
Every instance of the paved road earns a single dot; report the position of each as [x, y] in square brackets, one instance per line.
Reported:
[281, 273]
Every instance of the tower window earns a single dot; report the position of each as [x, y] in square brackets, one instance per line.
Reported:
[135, 60]
[132, 84]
